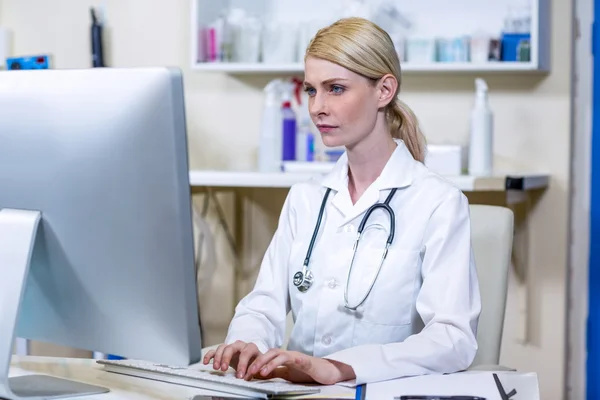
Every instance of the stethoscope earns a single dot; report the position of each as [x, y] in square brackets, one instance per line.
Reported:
[303, 280]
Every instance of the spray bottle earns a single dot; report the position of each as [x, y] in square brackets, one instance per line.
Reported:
[270, 148]
[482, 133]
[289, 123]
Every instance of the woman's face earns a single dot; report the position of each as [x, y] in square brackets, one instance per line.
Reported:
[342, 104]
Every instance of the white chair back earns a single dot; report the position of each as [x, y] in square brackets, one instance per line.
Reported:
[492, 240]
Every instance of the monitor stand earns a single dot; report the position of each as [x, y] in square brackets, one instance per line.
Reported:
[18, 229]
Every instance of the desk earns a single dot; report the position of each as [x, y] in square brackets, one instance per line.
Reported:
[471, 383]
[131, 388]
[121, 387]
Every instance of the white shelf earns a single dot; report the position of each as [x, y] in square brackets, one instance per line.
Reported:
[249, 179]
[431, 18]
[258, 68]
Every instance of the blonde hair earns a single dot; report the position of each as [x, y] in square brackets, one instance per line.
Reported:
[364, 48]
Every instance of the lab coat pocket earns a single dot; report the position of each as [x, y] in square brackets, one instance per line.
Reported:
[391, 300]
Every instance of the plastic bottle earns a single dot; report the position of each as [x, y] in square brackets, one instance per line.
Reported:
[305, 142]
[289, 125]
[270, 147]
[482, 133]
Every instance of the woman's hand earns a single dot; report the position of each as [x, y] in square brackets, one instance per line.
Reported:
[297, 367]
[292, 366]
[238, 355]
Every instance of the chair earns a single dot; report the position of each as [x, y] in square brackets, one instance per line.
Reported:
[491, 238]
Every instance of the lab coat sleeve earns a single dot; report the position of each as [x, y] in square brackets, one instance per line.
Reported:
[448, 303]
[260, 317]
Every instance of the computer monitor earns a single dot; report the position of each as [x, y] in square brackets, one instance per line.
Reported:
[96, 234]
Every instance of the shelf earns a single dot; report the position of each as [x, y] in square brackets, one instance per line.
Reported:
[433, 19]
[298, 68]
[249, 179]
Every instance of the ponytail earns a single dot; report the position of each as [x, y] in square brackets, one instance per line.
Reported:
[404, 125]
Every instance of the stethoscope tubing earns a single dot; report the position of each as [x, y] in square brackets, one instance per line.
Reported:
[303, 280]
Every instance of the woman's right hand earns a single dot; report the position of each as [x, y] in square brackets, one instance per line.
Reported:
[238, 355]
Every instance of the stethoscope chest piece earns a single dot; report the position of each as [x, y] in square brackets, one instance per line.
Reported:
[303, 280]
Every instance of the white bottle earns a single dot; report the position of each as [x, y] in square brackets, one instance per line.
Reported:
[270, 146]
[482, 133]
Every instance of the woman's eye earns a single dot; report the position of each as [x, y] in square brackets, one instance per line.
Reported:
[310, 91]
[337, 89]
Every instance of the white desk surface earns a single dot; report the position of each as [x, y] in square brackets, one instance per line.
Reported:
[251, 179]
[127, 387]
[123, 387]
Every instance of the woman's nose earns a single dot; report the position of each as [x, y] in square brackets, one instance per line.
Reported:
[317, 106]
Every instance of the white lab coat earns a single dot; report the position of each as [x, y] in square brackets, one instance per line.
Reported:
[422, 313]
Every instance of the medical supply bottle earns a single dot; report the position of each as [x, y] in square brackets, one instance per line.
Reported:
[289, 125]
[305, 142]
[270, 147]
[482, 133]
[305, 138]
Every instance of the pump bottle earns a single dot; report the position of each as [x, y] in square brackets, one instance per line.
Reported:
[270, 148]
[289, 125]
[482, 133]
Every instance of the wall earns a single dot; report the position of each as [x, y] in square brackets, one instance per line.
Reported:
[533, 134]
[580, 209]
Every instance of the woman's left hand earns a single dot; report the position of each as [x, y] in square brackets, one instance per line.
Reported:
[298, 368]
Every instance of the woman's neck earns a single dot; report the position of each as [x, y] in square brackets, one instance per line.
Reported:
[366, 161]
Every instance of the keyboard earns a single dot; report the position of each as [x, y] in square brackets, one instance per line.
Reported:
[205, 377]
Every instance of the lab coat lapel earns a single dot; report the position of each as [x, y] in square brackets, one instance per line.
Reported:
[397, 173]
[399, 170]
[369, 197]
[337, 180]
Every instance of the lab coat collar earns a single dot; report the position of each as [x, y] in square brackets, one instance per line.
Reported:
[397, 173]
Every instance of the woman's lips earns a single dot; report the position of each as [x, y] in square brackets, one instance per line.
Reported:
[324, 128]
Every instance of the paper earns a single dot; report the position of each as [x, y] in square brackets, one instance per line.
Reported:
[329, 392]
[349, 384]
[479, 384]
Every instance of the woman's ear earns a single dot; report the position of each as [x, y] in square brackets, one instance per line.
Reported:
[387, 87]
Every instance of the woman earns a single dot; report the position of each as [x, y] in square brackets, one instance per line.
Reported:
[422, 312]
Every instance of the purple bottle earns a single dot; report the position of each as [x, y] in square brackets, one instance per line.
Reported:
[289, 132]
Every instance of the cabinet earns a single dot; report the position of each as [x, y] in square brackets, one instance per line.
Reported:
[432, 36]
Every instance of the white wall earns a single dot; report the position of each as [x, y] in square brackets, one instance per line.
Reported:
[533, 134]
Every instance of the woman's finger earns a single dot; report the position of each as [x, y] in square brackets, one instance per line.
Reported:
[247, 355]
[208, 356]
[218, 355]
[289, 374]
[282, 359]
[229, 352]
[260, 362]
